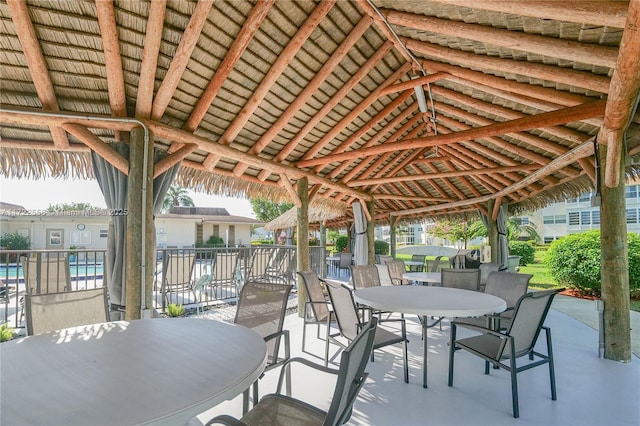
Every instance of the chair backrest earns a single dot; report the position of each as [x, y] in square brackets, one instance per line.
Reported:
[225, 266]
[46, 273]
[383, 274]
[260, 261]
[344, 308]
[316, 296]
[345, 260]
[486, 269]
[351, 376]
[508, 286]
[53, 311]
[436, 264]
[396, 272]
[382, 259]
[262, 307]
[418, 258]
[363, 276]
[466, 279]
[528, 319]
[178, 268]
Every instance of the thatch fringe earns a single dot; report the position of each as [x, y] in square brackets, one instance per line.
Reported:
[40, 164]
[320, 210]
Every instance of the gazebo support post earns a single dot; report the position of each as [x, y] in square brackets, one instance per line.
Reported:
[614, 263]
[492, 233]
[392, 234]
[302, 252]
[370, 232]
[323, 244]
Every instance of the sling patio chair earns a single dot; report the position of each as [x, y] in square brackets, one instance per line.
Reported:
[517, 341]
[316, 308]
[280, 410]
[485, 270]
[53, 311]
[349, 323]
[466, 279]
[436, 264]
[417, 258]
[345, 262]
[46, 273]
[224, 273]
[396, 271]
[177, 272]
[262, 307]
[510, 287]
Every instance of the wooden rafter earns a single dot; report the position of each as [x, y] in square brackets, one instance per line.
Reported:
[37, 65]
[171, 160]
[41, 146]
[112, 58]
[284, 182]
[566, 115]
[96, 144]
[152, 40]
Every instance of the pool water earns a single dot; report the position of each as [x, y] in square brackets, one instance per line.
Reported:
[9, 273]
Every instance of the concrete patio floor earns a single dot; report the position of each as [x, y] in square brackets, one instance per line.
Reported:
[591, 391]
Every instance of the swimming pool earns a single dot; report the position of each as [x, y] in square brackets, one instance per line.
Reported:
[78, 272]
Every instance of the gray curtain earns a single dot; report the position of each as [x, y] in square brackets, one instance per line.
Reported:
[289, 236]
[113, 185]
[502, 251]
[361, 252]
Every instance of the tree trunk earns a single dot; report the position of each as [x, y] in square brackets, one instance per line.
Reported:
[302, 251]
[492, 233]
[615, 265]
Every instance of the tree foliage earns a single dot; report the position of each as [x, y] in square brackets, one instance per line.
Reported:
[14, 241]
[70, 207]
[459, 230]
[266, 210]
[524, 249]
[574, 261]
[176, 196]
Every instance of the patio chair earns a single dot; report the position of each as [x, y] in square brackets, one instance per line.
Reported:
[278, 264]
[345, 262]
[279, 410]
[382, 259]
[316, 308]
[177, 271]
[224, 271]
[517, 341]
[349, 323]
[396, 271]
[363, 276]
[417, 258]
[383, 274]
[260, 261]
[508, 286]
[262, 307]
[485, 270]
[46, 273]
[466, 279]
[54, 311]
[436, 264]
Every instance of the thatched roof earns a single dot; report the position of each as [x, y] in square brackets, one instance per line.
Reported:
[320, 212]
[254, 95]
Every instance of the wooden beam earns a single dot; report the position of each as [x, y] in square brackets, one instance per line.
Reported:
[41, 146]
[172, 159]
[624, 91]
[586, 53]
[37, 64]
[601, 13]
[30, 116]
[152, 41]
[181, 58]
[409, 85]
[414, 198]
[566, 115]
[496, 209]
[112, 58]
[284, 182]
[567, 76]
[96, 144]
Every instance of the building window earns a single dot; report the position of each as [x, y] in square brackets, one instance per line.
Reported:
[585, 218]
[548, 220]
[574, 218]
[632, 215]
[631, 191]
[549, 240]
[80, 238]
[216, 230]
[561, 219]
[595, 217]
[104, 233]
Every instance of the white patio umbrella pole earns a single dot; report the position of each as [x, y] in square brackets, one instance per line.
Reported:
[144, 312]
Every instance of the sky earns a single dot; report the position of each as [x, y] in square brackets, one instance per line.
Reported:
[39, 194]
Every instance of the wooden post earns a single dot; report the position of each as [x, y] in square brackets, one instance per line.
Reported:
[135, 233]
[323, 244]
[371, 237]
[302, 252]
[615, 264]
[492, 232]
[392, 234]
[149, 235]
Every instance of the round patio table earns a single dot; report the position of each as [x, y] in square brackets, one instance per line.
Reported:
[430, 301]
[423, 277]
[161, 371]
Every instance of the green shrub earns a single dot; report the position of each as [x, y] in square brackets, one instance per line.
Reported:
[14, 241]
[524, 249]
[174, 310]
[574, 261]
[6, 333]
[341, 243]
[381, 247]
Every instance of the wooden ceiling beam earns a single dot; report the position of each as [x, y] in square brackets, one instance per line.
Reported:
[465, 182]
[327, 69]
[566, 115]
[172, 159]
[96, 144]
[181, 57]
[41, 146]
[412, 198]
[150, 54]
[37, 64]
[411, 84]
[624, 91]
[447, 183]
[284, 182]
[553, 73]
[112, 58]
[586, 53]
[602, 13]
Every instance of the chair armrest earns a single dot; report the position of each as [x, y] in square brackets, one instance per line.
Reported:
[483, 330]
[225, 419]
[305, 362]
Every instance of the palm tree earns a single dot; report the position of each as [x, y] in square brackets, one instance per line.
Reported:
[176, 196]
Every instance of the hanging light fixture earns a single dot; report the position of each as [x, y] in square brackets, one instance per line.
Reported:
[422, 100]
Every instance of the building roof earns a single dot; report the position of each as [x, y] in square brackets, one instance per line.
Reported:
[208, 215]
[254, 96]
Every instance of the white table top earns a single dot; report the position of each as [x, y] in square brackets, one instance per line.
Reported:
[164, 371]
[423, 277]
[436, 301]
[413, 263]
